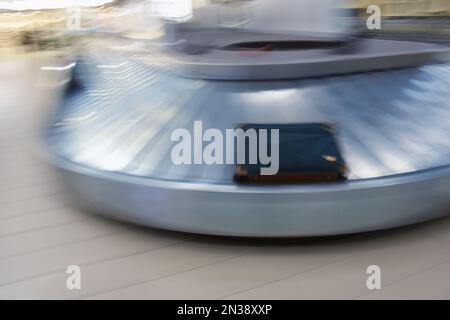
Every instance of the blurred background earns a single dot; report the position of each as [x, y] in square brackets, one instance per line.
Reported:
[41, 232]
[43, 25]
[32, 30]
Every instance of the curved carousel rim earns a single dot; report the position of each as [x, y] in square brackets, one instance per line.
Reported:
[288, 211]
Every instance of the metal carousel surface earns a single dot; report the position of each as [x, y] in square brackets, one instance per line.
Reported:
[111, 139]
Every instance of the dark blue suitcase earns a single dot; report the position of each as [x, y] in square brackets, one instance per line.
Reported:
[308, 153]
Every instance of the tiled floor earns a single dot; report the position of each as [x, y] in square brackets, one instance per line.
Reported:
[42, 232]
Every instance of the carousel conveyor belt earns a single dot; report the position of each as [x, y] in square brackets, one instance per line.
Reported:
[111, 139]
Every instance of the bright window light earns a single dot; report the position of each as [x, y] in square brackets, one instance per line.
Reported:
[178, 10]
[21, 5]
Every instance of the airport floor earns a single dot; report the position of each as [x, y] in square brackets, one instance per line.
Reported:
[42, 232]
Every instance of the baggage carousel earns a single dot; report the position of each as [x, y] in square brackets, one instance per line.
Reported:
[111, 139]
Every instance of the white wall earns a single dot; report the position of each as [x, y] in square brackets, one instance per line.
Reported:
[291, 16]
[288, 15]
